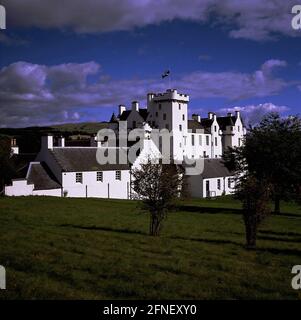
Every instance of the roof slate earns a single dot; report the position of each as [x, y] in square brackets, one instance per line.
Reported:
[83, 159]
[215, 168]
[42, 178]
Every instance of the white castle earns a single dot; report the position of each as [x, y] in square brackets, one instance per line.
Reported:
[75, 172]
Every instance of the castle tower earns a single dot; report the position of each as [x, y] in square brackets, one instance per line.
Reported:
[168, 110]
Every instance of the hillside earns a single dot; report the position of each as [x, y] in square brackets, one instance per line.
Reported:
[29, 139]
[99, 249]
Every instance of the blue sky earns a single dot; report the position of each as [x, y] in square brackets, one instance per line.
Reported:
[71, 71]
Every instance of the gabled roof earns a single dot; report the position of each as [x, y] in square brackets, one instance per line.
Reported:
[215, 168]
[226, 121]
[195, 125]
[83, 159]
[206, 122]
[125, 114]
[42, 178]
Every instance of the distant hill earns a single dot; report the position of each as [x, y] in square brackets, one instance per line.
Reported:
[29, 139]
[81, 128]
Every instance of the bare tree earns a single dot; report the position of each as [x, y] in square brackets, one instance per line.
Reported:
[157, 186]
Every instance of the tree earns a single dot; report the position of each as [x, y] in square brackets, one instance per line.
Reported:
[157, 186]
[271, 153]
[254, 195]
[6, 168]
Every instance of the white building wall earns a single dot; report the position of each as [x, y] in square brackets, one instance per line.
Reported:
[19, 188]
[22, 188]
[216, 140]
[49, 193]
[90, 187]
[202, 145]
[214, 191]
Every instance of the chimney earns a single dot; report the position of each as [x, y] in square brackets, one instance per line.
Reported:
[13, 142]
[47, 142]
[210, 115]
[122, 108]
[229, 114]
[135, 105]
[237, 114]
[196, 117]
[150, 97]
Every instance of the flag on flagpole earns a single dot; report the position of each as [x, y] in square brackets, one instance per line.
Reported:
[165, 74]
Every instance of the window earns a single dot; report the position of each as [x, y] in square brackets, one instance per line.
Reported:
[167, 126]
[99, 176]
[218, 184]
[238, 128]
[200, 140]
[179, 106]
[164, 116]
[180, 127]
[183, 117]
[204, 154]
[207, 140]
[230, 183]
[118, 175]
[160, 106]
[157, 114]
[215, 128]
[239, 142]
[192, 139]
[216, 142]
[79, 177]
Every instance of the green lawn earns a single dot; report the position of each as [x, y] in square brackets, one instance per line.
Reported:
[99, 249]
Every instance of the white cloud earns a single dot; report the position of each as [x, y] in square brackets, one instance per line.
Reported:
[256, 19]
[33, 94]
[253, 114]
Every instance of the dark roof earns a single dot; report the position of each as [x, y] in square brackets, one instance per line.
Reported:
[42, 178]
[113, 118]
[195, 125]
[206, 122]
[143, 113]
[83, 159]
[125, 114]
[223, 122]
[214, 168]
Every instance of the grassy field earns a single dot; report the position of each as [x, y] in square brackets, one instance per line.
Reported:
[99, 249]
